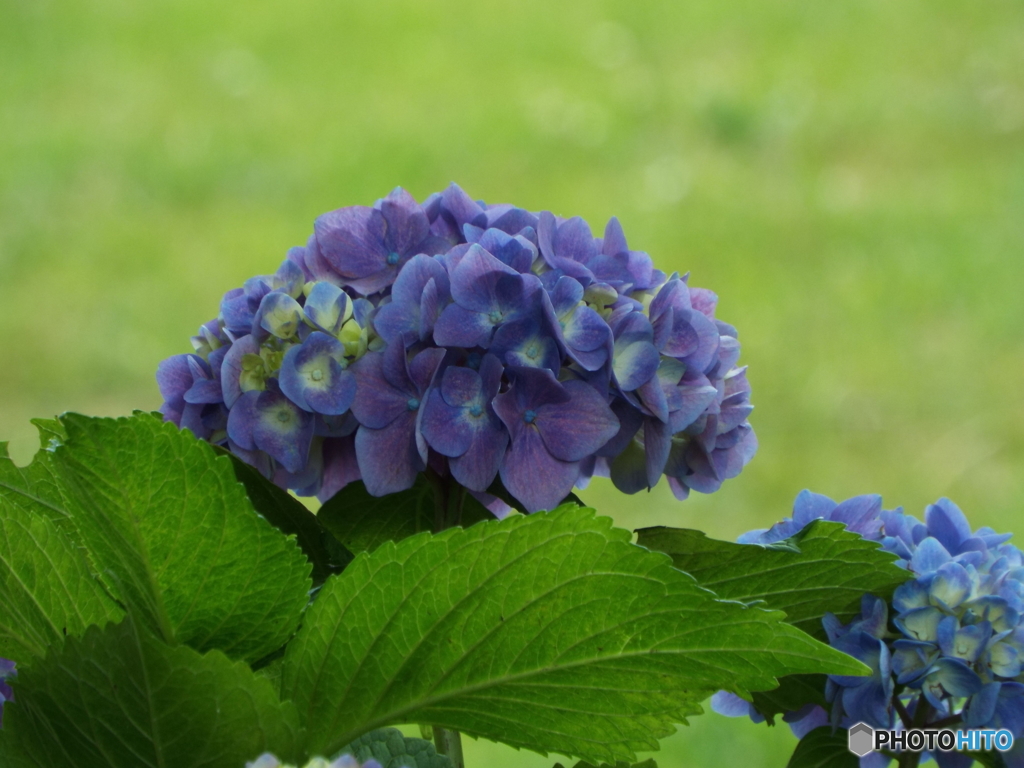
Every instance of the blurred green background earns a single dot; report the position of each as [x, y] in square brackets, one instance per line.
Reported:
[847, 175]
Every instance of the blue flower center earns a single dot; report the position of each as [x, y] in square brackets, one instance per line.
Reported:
[392, 259]
[494, 316]
[476, 410]
[412, 403]
[530, 416]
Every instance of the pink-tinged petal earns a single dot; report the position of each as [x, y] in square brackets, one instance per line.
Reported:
[388, 458]
[340, 465]
[477, 467]
[533, 475]
[407, 224]
[242, 420]
[231, 368]
[458, 327]
[351, 240]
[377, 403]
[704, 301]
[317, 264]
[578, 428]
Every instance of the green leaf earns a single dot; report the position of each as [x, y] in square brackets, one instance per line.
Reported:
[393, 750]
[822, 749]
[644, 764]
[831, 569]
[288, 515]
[549, 631]
[37, 487]
[177, 539]
[363, 522]
[793, 692]
[120, 698]
[47, 590]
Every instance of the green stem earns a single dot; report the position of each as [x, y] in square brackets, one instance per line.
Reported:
[449, 743]
[448, 498]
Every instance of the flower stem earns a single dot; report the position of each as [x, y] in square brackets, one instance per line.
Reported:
[449, 743]
[448, 497]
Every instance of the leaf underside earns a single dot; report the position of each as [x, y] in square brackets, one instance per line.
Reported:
[822, 749]
[550, 632]
[393, 750]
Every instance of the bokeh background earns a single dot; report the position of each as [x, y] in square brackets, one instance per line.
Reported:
[847, 175]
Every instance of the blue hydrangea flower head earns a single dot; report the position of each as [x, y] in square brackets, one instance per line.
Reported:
[952, 639]
[512, 351]
[267, 760]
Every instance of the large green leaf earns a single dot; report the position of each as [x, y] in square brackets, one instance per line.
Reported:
[120, 698]
[393, 750]
[549, 631]
[176, 539]
[37, 487]
[47, 591]
[363, 522]
[823, 749]
[288, 515]
[823, 568]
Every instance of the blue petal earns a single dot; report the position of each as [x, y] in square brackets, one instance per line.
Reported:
[929, 556]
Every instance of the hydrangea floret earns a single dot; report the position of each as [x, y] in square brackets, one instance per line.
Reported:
[490, 344]
[949, 648]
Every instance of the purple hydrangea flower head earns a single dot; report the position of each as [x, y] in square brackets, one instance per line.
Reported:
[7, 671]
[955, 642]
[404, 336]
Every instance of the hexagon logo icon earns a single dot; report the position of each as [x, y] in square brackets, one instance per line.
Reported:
[861, 739]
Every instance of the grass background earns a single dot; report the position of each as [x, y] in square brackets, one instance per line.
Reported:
[847, 175]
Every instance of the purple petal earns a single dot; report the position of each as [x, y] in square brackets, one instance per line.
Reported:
[461, 208]
[423, 367]
[447, 428]
[327, 307]
[614, 239]
[313, 377]
[388, 458]
[579, 427]
[729, 704]
[657, 443]
[340, 465]
[586, 330]
[481, 283]
[528, 344]
[459, 327]
[351, 240]
[478, 466]
[377, 403]
[231, 368]
[707, 351]
[242, 420]
[533, 475]
[947, 523]
[283, 430]
[407, 224]
[574, 240]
